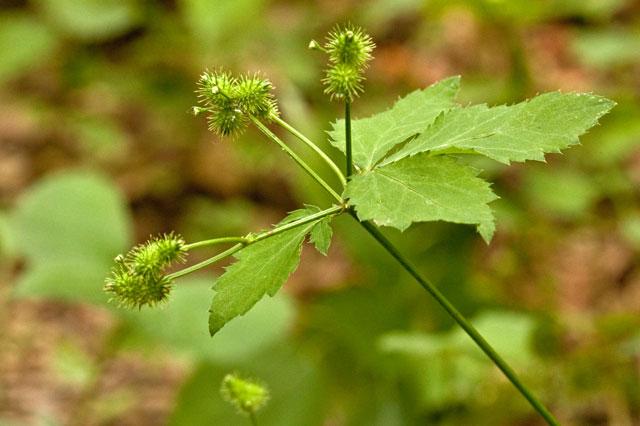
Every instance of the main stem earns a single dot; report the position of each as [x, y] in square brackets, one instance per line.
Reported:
[295, 157]
[461, 320]
[289, 128]
[347, 136]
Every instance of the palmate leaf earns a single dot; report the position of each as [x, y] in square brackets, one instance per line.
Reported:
[261, 269]
[372, 137]
[412, 184]
[423, 188]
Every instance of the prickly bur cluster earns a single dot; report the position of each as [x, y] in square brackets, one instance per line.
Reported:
[137, 279]
[349, 49]
[247, 395]
[230, 101]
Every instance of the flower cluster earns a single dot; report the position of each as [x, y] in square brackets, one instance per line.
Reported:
[230, 101]
[349, 49]
[137, 279]
[247, 395]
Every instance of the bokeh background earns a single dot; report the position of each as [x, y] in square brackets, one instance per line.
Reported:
[98, 151]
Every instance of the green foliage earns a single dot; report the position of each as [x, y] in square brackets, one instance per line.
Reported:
[198, 404]
[24, 42]
[423, 188]
[373, 137]
[450, 368]
[69, 226]
[320, 234]
[92, 20]
[413, 185]
[525, 131]
[122, 89]
[71, 215]
[261, 269]
[181, 326]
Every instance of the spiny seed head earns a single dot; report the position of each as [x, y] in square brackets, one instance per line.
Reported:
[216, 89]
[349, 45]
[136, 291]
[227, 121]
[247, 395]
[343, 82]
[137, 279]
[254, 96]
[349, 49]
[230, 100]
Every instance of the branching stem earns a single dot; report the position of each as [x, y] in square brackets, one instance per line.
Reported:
[295, 157]
[313, 146]
[251, 239]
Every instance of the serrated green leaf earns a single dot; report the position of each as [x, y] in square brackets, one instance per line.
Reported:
[261, 269]
[420, 189]
[321, 233]
[374, 136]
[525, 131]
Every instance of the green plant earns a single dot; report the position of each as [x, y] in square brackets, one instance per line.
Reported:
[404, 165]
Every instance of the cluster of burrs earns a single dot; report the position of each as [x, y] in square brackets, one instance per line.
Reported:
[138, 277]
[247, 395]
[349, 49]
[232, 101]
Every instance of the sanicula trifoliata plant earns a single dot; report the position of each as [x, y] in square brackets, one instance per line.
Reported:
[403, 165]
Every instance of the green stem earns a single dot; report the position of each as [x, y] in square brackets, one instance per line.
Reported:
[461, 320]
[215, 241]
[252, 416]
[254, 238]
[207, 262]
[347, 136]
[313, 146]
[295, 157]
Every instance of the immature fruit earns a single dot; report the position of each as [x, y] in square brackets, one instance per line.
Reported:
[349, 49]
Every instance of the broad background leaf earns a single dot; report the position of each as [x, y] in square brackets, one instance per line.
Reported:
[92, 20]
[24, 42]
[69, 227]
[182, 324]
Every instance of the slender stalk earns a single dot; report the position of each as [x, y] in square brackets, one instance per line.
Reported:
[347, 136]
[252, 416]
[461, 320]
[313, 146]
[207, 262]
[254, 238]
[215, 241]
[295, 157]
